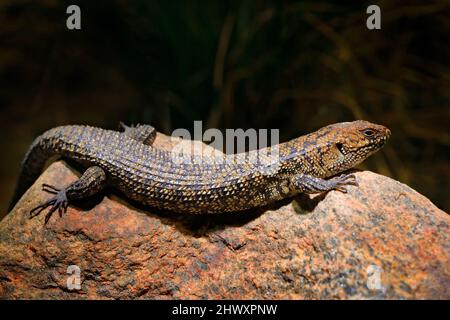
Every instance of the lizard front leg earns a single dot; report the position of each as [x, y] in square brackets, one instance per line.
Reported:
[310, 184]
[92, 181]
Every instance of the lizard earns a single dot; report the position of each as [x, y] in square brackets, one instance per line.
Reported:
[127, 161]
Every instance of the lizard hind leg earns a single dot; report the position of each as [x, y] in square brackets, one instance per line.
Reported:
[92, 181]
[141, 132]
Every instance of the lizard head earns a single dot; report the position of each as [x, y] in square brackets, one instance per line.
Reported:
[350, 143]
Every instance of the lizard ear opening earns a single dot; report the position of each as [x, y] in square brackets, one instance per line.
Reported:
[340, 147]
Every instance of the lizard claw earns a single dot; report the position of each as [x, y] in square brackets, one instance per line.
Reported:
[344, 180]
[58, 202]
[50, 189]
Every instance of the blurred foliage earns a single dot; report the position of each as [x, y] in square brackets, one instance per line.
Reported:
[290, 65]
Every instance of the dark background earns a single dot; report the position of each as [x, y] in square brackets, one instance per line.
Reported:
[296, 66]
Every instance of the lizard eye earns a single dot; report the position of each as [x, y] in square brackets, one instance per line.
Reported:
[369, 132]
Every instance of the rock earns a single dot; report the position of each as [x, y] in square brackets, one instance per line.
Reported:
[381, 240]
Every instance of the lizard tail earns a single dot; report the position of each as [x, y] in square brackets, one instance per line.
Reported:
[32, 165]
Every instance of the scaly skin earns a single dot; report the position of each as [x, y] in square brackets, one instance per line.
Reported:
[127, 162]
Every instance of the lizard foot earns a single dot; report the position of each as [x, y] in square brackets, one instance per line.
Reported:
[340, 182]
[58, 202]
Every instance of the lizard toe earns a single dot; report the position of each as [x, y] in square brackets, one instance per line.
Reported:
[58, 202]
